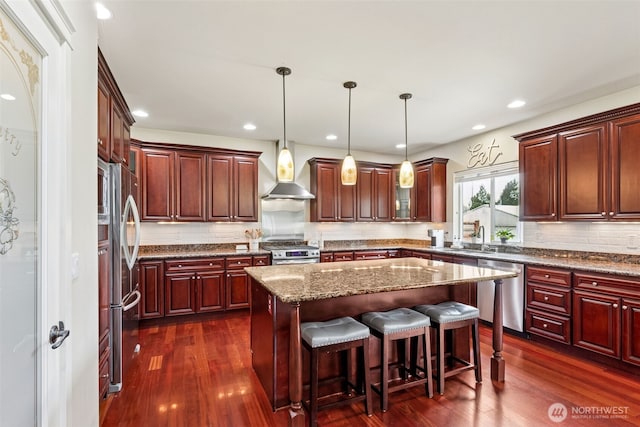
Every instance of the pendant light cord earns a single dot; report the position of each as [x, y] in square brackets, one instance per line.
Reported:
[405, 130]
[349, 127]
[284, 111]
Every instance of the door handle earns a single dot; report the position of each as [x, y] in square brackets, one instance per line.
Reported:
[57, 335]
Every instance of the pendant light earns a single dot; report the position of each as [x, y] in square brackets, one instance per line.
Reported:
[406, 169]
[285, 168]
[349, 174]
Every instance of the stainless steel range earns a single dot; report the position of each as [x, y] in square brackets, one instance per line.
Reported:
[294, 255]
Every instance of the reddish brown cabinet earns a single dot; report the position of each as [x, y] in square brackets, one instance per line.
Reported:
[237, 282]
[114, 118]
[194, 286]
[607, 315]
[548, 306]
[157, 185]
[583, 170]
[232, 187]
[624, 135]
[152, 289]
[104, 346]
[430, 190]
[374, 192]
[376, 254]
[334, 201]
[539, 179]
[104, 121]
[189, 186]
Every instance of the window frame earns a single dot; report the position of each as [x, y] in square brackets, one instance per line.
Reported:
[489, 172]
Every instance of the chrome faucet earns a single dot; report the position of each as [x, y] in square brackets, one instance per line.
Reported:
[484, 247]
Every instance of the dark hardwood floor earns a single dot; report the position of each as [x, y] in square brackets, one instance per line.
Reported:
[197, 372]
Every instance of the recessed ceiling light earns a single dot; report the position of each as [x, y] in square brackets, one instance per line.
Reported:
[516, 103]
[249, 126]
[479, 126]
[400, 145]
[8, 97]
[331, 137]
[140, 113]
[102, 12]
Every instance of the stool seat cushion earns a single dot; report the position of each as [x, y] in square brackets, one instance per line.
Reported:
[397, 320]
[335, 331]
[449, 311]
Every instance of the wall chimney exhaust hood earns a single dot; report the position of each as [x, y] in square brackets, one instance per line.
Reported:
[288, 190]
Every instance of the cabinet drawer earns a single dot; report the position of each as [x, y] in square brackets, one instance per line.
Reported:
[549, 298]
[370, 255]
[549, 326]
[198, 264]
[326, 257]
[609, 284]
[238, 262]
[103, 376]
[261, 260]
[394, 253]
[343, 256]
[549, 276]
[423, 255]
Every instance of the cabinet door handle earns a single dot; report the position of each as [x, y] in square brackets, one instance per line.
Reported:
[611, 213]
[603, 213]
[594, 283]
[546, 298]
[615, 305]
[624, 307]
[553, 214]
[100, 141]
[544, 325]
[179, 265]
[546, 276]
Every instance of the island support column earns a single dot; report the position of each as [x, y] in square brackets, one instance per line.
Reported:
[497, 362]
[296, 413]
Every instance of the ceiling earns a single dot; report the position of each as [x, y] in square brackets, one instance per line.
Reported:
[209, 66]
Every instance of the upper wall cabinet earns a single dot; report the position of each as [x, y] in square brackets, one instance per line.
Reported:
[374, 192]
[430, 190]
[232, 187]
[377, 195]
[334, 201]
[185, 183]
[114, 118]
[582, 170]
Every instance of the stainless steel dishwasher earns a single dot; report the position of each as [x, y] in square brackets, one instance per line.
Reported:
[512, 295]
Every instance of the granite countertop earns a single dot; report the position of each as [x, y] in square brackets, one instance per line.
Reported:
[604, 263]
[308, 282]
[624, 265]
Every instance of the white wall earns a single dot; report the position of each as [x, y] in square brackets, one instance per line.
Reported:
[82, 81]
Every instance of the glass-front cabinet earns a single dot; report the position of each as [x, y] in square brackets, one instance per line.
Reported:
[402, 199]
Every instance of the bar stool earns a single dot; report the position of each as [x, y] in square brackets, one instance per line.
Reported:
[448, 316]
[336, 335]
[400, 324]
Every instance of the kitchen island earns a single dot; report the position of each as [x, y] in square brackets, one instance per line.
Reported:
[283, 296]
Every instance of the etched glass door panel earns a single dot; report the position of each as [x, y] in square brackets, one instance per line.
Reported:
[20, 109]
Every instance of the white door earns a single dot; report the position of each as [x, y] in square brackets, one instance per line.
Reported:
[34, 283]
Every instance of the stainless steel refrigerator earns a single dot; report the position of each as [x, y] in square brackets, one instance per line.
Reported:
[124, 293]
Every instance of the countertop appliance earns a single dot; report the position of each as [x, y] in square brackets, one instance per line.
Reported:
[437, 238]
[297, 254]
[512, 293]
[124, 296]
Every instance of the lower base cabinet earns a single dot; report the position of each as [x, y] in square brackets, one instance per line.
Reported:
[606, 317]
[179, 287]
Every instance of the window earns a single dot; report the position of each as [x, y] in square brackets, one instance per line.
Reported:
[487, 198]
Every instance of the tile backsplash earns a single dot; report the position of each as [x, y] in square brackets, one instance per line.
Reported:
[611, 237]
